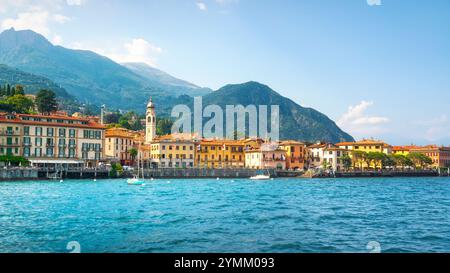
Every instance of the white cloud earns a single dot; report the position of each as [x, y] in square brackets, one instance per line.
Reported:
[36, 15]
[356, 121]
[201, 6]
[75, 2]
[137, 50]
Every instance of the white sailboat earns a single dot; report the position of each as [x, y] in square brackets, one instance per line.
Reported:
[137, 180]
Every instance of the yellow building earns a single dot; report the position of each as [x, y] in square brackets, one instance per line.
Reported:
[171, 151]
[402, 150]
[211, 153]
[366, 146]
[52, 139]
[118, 143]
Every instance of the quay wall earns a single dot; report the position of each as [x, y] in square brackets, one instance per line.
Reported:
[204, 173]
[18, 174]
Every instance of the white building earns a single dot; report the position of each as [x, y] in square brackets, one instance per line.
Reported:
[333, 158]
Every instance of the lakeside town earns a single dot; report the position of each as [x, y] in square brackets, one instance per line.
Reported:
[58, 141]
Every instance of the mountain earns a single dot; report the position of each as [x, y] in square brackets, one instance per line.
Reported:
[86, 75]
[296, 122]
[94, 79]
[31, 83]
[164, 80]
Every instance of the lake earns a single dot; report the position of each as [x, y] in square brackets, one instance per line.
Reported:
[208, 215]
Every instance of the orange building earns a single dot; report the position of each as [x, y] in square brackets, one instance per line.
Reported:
[295, 154]
[439, 155]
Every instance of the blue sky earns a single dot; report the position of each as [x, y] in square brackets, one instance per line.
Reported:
[379, 71]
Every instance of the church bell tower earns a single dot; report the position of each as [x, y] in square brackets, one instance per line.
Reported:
[150, 123]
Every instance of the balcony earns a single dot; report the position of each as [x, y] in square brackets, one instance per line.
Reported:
[9, 133]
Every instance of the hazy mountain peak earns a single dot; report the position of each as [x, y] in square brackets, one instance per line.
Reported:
[11, 38]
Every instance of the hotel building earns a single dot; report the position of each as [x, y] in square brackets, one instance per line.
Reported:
[52, 139]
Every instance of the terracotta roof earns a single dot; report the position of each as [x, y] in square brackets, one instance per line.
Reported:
[291, 142]
[362, 143]
[17, 119]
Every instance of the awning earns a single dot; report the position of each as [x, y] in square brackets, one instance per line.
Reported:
[55, 161]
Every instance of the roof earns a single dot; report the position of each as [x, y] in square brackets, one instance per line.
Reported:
[404, 148]
[121, 132]
[18, 119]
[363, 142]
[291, 142]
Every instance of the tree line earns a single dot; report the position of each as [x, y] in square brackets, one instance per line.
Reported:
[381, 160]
[13, 99]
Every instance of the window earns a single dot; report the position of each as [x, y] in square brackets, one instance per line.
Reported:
[62, 132]
[50, 132]
[38, 141]
[38, 152]
[71, 132]
[49, 152]
[26, 151]
[26, 130]
[38, 131]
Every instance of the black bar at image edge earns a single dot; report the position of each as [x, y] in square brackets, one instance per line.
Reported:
[226, 262]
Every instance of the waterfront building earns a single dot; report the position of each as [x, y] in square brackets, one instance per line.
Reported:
[403, 150]
[222, 153]
[333, 158]
[52, 139]
[268, 156]
[170, 151]
[439, 154]
[366, 146]
[315, 154]
[118, 143]
[295, 154]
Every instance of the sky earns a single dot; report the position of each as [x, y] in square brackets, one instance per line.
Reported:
[379, 68]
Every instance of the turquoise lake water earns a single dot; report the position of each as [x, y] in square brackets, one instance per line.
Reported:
[283, 215]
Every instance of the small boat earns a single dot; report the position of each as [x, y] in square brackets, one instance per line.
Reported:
[260, 177]
[135, 181]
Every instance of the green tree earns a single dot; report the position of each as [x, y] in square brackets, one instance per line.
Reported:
[46, 102]
[20, 103]
[8, 90]
[419, 159]
[347, 162]
[133, 152]
[163, 126]
[19, 90]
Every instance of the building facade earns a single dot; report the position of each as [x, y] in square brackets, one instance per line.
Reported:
[266, 158]
[118, 143]
[47, 139]
[220, 153]
[332, 157]
[170, 151]
[315, 155]
[295, 154]
[440, 155]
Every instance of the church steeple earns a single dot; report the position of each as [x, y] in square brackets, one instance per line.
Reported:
[150, 122]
